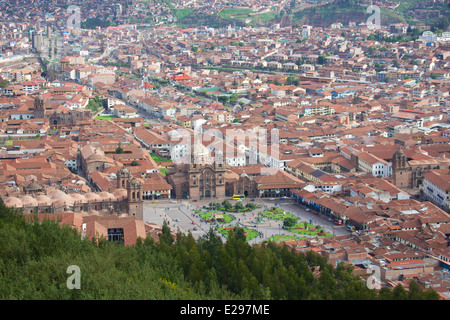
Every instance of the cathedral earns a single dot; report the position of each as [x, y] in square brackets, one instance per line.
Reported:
[407, 170]
[58, 114]
[201, 177]
[126, 199]
[204, 177]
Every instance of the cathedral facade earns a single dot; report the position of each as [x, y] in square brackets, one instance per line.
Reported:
[201, 177]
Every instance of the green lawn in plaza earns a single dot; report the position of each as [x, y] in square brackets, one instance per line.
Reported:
[211, 216]
[307, 229]
[277, 214]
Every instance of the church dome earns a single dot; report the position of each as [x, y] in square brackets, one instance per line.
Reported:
[92, 197]
[106, 196]
[79, 198]
[29, 201]
[13, 202]
[34, 186]
[120, 194]
[44, 200]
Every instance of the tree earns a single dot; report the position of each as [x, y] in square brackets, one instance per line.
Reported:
[321, 60]
[135, 163]
[250, 205]
[226, 204]
[119, 149]
[165, 236]
[399, 293]
[289, 222]
[238, 206]
[212, 205]
[4, 83]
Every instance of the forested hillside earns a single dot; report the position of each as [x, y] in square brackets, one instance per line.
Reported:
[34, 258]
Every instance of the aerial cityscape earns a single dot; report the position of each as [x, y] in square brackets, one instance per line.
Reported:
[200, 149]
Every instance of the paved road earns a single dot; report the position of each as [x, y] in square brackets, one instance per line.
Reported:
[181, 216]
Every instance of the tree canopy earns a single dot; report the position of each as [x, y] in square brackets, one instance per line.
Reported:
[34, 257]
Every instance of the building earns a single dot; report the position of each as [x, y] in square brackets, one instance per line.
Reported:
[408, 173]
[127, 199]
[436, 186]
[200, 177]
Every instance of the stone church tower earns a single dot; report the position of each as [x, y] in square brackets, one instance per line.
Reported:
[401, 170]
[135, 199]
[39, 109]
[122, 177]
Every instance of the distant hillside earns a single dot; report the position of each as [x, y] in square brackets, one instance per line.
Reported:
[235, 17]
[343, 11]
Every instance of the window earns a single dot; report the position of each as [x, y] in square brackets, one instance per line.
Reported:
[115, 235]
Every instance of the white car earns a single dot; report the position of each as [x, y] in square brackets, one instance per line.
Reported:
[173, 201]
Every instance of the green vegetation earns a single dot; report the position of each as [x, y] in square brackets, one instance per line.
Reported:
[95, 104]
[238, 17]
[249, 233]
[239, 13]
[35, 256]
[115, 64]
[285, 238]
[110, 118]
[227, 206]
[159, 159]
[211, 217]
[307, 229]
[277, 214]
[93, 23]
[119, 149]
[164, 170]
[182, 13]
[4, 83]
[342, 11]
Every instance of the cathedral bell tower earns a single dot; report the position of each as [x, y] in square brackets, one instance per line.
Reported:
[135, 199]
[39, 110]
[122, 177]
[401, 170]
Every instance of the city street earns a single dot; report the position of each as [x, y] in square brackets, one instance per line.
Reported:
[181, 216]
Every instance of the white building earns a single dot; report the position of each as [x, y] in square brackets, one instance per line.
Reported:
[436, 187]
[377, 167]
